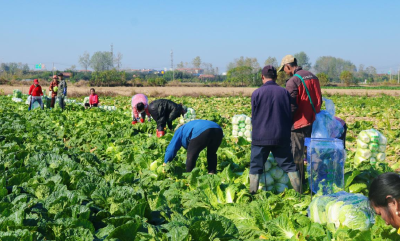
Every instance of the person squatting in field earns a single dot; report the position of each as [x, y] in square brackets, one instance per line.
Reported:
[140, 107]
[164, 112]
[93, 99]
[195, 136]
[53, 90]
[303, 108]
[271, 119]
[36, 93]
[384, 196]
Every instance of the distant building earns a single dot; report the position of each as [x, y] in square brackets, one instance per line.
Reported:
[207, 76]
[195, 71]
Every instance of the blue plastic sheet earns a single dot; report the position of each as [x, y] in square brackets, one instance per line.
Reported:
[325, 157]
[325, 124]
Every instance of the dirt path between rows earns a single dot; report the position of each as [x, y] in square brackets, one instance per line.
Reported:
[189, 91]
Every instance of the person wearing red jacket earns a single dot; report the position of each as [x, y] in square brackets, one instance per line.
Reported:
[93, 99]
[303, 109]
[36, 93]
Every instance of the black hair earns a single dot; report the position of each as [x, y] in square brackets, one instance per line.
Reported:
[140, 106]
[387, 184]
[293, 64]
[92, 89]
[271, 75]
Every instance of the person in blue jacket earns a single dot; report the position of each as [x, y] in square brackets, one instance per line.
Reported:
[195, 136]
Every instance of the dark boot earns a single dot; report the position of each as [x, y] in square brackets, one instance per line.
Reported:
[295, 180]
[254, 182]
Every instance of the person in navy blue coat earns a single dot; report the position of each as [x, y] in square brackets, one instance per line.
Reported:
[195, 136]
[272, 123]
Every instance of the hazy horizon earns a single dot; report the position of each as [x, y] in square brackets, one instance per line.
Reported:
[362, 32]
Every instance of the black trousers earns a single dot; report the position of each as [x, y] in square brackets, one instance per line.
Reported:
[210, 139]
[298, 137]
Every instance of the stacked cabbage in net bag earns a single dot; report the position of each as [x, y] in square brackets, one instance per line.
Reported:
[343, 210]
[189, 116]
[371, 147]
[241, 126]
[274, 178]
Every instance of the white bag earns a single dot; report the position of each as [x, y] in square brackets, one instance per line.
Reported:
[28, 101]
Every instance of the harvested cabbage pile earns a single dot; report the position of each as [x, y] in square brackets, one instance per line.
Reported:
[274, 178]
[17, 94]
[343, 210]
[241, 126]
[371, 147]
[189, 116]
[110, 108]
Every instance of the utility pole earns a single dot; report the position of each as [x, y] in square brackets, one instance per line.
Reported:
[172, 65]
[112, 54]
[398, 75]
[390, 73]
[53, 68]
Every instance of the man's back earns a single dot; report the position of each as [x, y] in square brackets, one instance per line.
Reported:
[271, 115]
[303, 113]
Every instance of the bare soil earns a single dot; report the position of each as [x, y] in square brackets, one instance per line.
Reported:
[186, 91]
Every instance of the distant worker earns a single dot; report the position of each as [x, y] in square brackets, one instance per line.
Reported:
[164, 112]
[271, 119]
[93, 99]
[36, 93]
[53, 88]
[302, 86]
[62, 90]
[195, 136]
[384, 196]
[140, 106]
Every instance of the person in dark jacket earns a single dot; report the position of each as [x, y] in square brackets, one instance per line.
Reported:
[164, 112]
[62, 91]
[195, 136]
[271, 118]
[303, 111]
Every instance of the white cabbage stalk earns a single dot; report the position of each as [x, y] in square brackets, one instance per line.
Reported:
[266, 179]
[247, 133]
[248, 121]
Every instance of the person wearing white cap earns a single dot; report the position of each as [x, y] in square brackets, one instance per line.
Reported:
[305, 90]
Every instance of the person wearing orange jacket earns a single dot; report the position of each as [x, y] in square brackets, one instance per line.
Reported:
[36, 93]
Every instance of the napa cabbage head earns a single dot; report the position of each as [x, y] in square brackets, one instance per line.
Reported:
[266, 179]
[276, 173]
[354, 218]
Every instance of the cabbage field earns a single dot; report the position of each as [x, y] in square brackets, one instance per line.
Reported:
[92, 175]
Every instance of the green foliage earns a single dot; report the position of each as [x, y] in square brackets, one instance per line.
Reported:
[323, 79]
[88, 175]
[347, 77]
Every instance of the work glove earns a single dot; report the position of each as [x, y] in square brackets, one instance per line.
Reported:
[141, 120]
[134, 122]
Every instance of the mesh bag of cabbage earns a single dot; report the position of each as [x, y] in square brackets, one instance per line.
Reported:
[371, 147]
[342, 209]
[274, 178]
[189, 116]
[241, 126]
[326, 157]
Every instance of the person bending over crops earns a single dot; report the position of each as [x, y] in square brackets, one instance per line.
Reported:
[272, 123]
[384, 195]
[93, 99]
[53, 88]
[195, 136]
[36, 93]
[140, 107]
[303, 108]
[164, 112]
[62, 91]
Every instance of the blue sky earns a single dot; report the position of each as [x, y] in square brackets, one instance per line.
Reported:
[364, 32]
